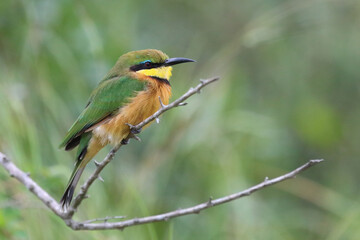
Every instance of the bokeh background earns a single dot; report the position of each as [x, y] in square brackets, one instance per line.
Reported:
[289, 92]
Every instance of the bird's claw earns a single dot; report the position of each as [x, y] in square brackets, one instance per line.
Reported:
[125, 141]
[133, 129]
[134, 136]
[136, 131]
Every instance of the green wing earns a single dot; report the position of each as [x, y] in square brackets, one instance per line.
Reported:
[104, 101]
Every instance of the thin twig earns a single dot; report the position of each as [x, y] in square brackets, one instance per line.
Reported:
[177, 102]
[105, 219]
[85, 187]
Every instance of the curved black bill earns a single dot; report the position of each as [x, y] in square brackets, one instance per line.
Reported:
[174, 61]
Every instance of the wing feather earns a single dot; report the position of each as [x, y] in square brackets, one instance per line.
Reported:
[104, 103]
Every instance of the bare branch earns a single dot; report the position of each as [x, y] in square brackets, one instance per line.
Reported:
[195, 209]
[89, 225]
[54, 206]
[177, 102]
[32, 186]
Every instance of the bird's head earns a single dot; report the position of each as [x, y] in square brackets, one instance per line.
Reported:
[148, 63]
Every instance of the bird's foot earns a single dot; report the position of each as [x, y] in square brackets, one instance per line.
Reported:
[125, 141]
[133, 129]
[134, 136]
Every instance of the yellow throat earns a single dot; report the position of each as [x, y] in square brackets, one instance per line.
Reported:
[161, 72]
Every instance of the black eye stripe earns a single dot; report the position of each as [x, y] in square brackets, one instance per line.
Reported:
[146, 65]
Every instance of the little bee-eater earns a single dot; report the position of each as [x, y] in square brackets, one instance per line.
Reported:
[128, 94]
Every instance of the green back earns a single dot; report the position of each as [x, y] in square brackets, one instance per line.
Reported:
[105, 100]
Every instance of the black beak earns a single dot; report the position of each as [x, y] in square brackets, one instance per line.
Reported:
[174, 61]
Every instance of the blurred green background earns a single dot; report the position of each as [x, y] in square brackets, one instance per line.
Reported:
[289, 92]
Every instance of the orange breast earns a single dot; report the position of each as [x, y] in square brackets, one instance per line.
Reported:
[143, 105]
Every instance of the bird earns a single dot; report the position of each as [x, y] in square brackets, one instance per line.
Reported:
[128, 94]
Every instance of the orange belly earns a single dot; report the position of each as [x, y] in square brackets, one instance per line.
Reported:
[142, 106]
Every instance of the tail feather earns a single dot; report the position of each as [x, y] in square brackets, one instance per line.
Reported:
[86, 151]
[78, 170]
[69, 192]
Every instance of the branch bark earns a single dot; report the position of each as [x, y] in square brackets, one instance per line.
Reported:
[31, 185]
[89, 225]
[195, 209]
[67, 215]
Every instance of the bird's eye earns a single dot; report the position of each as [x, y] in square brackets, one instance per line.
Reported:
[147, 64]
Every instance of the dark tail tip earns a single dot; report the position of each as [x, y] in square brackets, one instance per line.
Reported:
[67, 197]
[69, 192]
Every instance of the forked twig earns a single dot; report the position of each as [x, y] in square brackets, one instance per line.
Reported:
[90, 225]
[67, 216]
